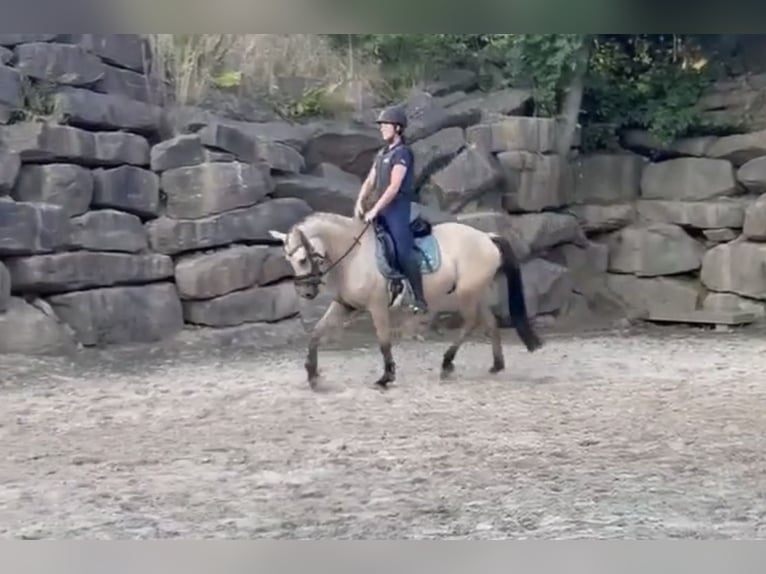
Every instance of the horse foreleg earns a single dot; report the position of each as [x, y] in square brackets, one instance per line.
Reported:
[334, 315]
[490, 323]
[469, 311]
[382, 322]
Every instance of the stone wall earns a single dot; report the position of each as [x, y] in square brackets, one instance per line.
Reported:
[122, 221]
[111, 231]
[686, 230]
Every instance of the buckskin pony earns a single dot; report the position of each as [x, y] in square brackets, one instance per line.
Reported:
[459, 265]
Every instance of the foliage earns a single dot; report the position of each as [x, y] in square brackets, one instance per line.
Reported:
[649, 81]
[644, 81]
[317, 101]
[542, 61]
[40, 103]
[252, 66]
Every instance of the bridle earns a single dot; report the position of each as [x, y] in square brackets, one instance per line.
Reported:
[315, 275]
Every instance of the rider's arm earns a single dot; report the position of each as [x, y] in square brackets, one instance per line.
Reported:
[367, 185]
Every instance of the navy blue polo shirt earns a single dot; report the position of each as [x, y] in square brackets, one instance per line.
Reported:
[387, 158]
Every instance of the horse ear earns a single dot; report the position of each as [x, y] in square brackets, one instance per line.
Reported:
[278, 235]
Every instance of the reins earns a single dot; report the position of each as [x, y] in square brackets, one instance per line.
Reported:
[315, 275]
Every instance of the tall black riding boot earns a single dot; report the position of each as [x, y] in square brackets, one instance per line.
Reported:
[411, 270]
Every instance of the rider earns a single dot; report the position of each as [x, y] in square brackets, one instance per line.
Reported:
[392, 175]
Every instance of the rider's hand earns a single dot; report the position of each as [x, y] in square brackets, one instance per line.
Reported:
[370, 216]
[359, 210]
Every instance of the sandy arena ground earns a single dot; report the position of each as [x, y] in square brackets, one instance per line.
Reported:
[656, 434]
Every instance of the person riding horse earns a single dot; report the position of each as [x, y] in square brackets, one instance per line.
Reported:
[392, 178]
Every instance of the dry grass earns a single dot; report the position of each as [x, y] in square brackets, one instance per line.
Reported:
[258, 64]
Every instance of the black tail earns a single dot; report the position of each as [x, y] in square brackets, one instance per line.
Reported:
[516, 303]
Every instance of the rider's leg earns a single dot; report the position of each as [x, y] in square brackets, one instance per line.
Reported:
[398, 223]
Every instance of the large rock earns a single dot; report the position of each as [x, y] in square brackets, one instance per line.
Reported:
[59, 63]
[688, 179]
[471, 174]
[700, 215]
[206, 189]
[120, 315]
[108, 230]
[738, 267]
[181, 151]
[656, 294]
[716, 236]
[254, 305]
[37, 142]
[753, 175]
[755, 220]
[330, 171]
[322, 194]
[67, 185]
[501, 224]
[436, 151]
[350, 147]
[603, 218]
[533, 182]
[29, 330]
[547, 286]
[514, 134]
[124, 50]
[6, 55]
[90, 110]
[452, 80]
[127, 188]
[730, 303]
[44, 142]
[75, 270]
[426, 117]
[645, 143]
[739, 149]
[129, 84]
[11, 94]
[247, 225]
[587, 265]
[10, 164]
[188, 119]
[280, 157]
[608, 178]
[506, 102]
[116, 148]
[209, 275]
[648, 250]
[542, 231]
[16, 39]
[30, 228]
[5, 287]
[230, 138]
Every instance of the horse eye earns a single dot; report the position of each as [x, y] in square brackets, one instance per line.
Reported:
[302, 260]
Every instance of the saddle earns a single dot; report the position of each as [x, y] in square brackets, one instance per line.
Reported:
[426, 247]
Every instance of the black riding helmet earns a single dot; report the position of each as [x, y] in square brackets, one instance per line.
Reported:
[393, 115]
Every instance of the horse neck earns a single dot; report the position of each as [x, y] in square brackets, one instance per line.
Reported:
[339, 238]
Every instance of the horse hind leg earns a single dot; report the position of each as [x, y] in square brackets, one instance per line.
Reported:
[469, 311]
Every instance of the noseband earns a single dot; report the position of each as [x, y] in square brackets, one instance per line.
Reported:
[315, 275]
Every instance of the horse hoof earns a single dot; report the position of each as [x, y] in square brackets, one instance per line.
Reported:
[383, 382]
[495, 369]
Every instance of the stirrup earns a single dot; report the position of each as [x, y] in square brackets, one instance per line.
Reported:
[418, 307]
